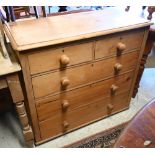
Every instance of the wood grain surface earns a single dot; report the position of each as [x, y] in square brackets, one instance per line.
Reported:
[140, 133]
[24, 34]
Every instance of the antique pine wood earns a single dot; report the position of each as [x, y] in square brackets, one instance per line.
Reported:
[76, 73]
[82, 75]
[109, 45]
[83, 115]
[9, 79]
[84, 96]
[50, 59]
[71, 30]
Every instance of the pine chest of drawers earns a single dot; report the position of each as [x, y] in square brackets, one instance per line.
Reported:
[77, 68]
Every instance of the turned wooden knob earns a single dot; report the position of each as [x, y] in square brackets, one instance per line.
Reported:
[114, 88]
[65, 105]
[64, 60]
[121, 47]
[110, 106]
[65, 82]
[118, 67]
[65, 125]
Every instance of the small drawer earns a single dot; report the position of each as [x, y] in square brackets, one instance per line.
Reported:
[82, 75]
[48, 59]
[117, 44]
[60, 123]
[68, 101]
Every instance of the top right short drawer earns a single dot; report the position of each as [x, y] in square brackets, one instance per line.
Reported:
[118, 43]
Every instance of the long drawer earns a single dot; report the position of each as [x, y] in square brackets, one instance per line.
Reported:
[72, 100]
[60, 81]
[116, 43]
[48, 59]
[63, 123]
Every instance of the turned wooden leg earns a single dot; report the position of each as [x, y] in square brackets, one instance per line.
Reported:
[140, 73]
[147, 50]
[18, 99]
[27, 131]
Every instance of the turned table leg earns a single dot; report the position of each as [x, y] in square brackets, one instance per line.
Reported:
[18, 99]
[147, 50]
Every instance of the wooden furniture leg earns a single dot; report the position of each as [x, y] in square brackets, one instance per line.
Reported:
[18, 99]
[147, 50]
[44, 11]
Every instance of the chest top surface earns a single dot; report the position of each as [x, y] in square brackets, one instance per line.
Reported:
[41, 32]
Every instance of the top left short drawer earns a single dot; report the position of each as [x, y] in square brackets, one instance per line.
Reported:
[48, 59]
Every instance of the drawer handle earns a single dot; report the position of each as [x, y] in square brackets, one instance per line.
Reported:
[64, 60]
[120, 48]
[65, 125]
[110, 107]
[65, 105]
[114, 88]
[118, 67]
[65, 82]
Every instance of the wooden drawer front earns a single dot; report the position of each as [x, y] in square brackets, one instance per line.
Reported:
[84, 115]
[51, 83]
[114, 44]
[49, 59]
[69, 101]
[82, 75]
[115, 66]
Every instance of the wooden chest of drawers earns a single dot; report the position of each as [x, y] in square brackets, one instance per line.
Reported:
[78, 72]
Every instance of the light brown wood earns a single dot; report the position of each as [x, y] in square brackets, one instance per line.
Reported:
[121, 47]
[138, 66]
[18, 98]
[110, 44]
[114, 88]
[146, 52]
[64, 60]
[83, 96]
[65, 105]
[93, 59]
[51, 83]
[8, 64]
[9, 72]
[65, 82]
[51, 32]
[49, 59]
[83, 115]
[118, 67]
[31, 103]
[110, 107]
